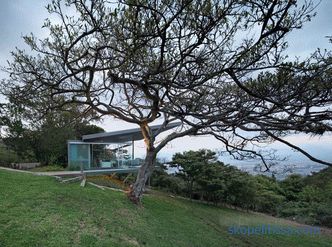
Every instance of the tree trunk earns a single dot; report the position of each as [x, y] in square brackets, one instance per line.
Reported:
[143, 175]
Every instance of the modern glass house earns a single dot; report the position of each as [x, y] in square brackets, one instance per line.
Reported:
[108, 150]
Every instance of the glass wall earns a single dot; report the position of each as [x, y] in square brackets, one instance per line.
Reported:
[100, 156]
[78, 156]
[103, 156]
[110, 155]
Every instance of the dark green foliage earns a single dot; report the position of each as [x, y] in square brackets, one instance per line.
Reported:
[223, 183]
[18, 136]
[321, 178]
[164, 181]
[191, 165]
[241, 191]
[45, 141]
[212, 182]
[7, 155]
[314, 203]
[201, 176]
[292, 186]
[47, 144]
[84, 128]
[50, 140]
[310, 194]
[269, 194]
[324, 214]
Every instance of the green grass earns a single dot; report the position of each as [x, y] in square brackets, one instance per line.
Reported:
[38, 211]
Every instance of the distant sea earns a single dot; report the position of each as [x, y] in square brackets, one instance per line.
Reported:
[280, 170]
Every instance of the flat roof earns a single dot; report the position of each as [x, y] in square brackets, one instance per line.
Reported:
[123, 135]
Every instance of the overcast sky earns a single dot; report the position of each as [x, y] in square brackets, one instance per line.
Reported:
[20, 17]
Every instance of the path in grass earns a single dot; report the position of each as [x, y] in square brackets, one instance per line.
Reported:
[38, 211]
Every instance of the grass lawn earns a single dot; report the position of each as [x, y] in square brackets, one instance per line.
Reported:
[38, 211]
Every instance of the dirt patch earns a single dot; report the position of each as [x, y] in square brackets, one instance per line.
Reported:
[129, 240]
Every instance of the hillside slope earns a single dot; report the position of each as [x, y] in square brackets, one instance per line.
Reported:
[39, 211]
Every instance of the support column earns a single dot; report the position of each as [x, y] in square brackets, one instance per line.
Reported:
[132, 149]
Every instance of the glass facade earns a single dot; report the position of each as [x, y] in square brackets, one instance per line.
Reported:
[78, 156]
[100, 156]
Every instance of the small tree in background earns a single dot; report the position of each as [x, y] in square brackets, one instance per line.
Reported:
[44, 139]
[191, 165]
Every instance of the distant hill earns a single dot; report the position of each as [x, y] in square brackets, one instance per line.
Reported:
[320, 179]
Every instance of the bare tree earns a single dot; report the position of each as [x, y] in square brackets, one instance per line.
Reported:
[217, 66]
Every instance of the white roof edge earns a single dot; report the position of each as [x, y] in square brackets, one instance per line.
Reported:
[128, 131]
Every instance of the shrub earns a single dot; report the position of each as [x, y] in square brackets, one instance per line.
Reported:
[292, 186]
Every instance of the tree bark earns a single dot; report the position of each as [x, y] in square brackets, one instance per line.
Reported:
[137, 190]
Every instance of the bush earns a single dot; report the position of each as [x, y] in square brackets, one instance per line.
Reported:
[307, 199]
[269, 195]
[324, 214]
[268, 202]
[6, 158]
[169, 183]
[292, 209]
[310, 194]
[241, 191]
[292, 186]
